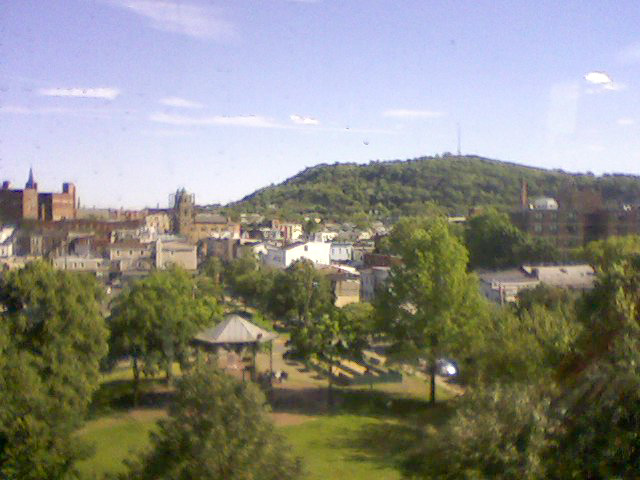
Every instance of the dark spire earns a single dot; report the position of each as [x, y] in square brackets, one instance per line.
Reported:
[30, 182]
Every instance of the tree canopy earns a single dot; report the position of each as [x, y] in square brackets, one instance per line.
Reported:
[52, 337]
[431, 307]
[154, 320]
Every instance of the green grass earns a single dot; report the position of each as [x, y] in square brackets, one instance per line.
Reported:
[331, 447]
[115, 438]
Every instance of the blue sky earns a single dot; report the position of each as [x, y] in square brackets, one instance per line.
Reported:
[131, 99]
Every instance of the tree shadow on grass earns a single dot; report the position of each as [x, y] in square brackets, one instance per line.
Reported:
[117, 395]
[394, 442]
[363, 402]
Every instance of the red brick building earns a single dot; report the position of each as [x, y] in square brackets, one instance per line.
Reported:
[29, 204]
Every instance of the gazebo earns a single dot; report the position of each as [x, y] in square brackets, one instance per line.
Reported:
[235, 333]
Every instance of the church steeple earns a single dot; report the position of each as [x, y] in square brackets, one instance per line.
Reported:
[30, 182]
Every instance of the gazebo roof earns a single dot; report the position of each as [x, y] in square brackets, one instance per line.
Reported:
[234, 329]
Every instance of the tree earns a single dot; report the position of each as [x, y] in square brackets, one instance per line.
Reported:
[494, 242]
[249, 280]
[52, 337]
[155, 319]
[603, 254]
[299, 293]
[431, 306]
[498, 432]
[217, 429]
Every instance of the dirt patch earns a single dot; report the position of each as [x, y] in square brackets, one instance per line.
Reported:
[282, 419]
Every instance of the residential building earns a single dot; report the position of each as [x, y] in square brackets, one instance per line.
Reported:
[289, 232]
[345, 284]
[97, 265]
[175, 252]
[341, 252]
[282, 257]
[575, 218]
[503, 286]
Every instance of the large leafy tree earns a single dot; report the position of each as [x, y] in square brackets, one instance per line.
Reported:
[431, 307]
[300, 293]
[494, 242]
[154, 320]
[52, 337]
[217, 429]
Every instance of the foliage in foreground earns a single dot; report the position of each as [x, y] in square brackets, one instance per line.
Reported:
[585, 425]
[217, 429]
[52, 337]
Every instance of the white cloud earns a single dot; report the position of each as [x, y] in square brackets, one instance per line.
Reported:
[629, 55]
[625, 121]
[108, 93]
[180, 103]
[406, 113]
[300, 120]
[254, 121]
[200, 21]
[602, 81]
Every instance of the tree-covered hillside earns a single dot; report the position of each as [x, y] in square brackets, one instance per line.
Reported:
[383, 190]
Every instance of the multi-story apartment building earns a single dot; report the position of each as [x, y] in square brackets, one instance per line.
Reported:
[575, 218]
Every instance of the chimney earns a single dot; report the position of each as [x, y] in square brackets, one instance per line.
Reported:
[6, 184]
[524, 194]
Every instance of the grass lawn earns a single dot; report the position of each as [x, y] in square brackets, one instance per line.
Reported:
[115, 438]
[331, 447]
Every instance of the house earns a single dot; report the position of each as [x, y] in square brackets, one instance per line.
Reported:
[96, 265]
[503, 286]
[131, 255]
[7, 239]
[282, 257]
[178, 252]
[290, 232]
[345, 284]
[341, 252]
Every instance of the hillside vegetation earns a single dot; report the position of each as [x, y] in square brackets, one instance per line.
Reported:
[387, 190]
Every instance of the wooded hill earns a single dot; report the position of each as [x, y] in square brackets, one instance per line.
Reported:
[390, 189]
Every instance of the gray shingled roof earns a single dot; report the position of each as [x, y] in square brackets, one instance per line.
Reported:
[234, 329]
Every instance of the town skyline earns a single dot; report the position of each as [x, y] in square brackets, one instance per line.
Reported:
[225, 98]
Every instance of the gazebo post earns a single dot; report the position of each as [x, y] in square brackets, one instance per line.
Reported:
[270, 360]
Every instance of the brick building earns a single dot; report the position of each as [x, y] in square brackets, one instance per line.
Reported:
[29, 204]
[577, 217]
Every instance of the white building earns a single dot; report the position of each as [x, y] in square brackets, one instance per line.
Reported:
[341, 252]
[282, 257]
[6, 241]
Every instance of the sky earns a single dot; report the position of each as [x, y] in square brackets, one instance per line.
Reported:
[132, 99]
